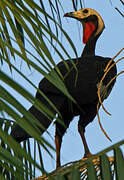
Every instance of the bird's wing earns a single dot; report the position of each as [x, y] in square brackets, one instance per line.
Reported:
[81, 83]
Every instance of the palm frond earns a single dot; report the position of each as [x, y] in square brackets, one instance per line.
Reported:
[98, 167]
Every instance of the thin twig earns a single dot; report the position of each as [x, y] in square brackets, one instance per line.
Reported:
[107, 69]
[114, 78]
[119, 12]
[99, 96]
[113, 59]
[98, 106]
[122, 2]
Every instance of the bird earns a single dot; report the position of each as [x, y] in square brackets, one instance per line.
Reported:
[83, 89]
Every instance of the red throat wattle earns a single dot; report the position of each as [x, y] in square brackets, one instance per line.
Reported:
[87, 32]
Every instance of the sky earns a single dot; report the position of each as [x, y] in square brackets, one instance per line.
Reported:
[109, 43]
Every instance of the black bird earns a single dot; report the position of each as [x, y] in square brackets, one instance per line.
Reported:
[90, 71]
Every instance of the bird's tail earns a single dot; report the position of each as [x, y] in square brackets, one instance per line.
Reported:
[20, 134]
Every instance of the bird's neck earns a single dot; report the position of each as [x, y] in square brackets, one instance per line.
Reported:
[89, 48]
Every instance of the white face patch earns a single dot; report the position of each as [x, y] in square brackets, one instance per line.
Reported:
[90, 12]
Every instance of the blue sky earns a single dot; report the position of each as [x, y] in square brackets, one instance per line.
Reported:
[110, 42]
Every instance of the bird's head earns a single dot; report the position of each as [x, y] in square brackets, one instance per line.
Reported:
[92, 22]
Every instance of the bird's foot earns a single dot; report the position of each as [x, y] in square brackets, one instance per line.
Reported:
[58, 165]
[87, 155]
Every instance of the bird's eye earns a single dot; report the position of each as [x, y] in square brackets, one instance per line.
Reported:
[85, 11]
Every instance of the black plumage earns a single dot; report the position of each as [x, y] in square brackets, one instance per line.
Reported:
[83, 88]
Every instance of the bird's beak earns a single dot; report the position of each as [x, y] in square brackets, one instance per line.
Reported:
[77, 15]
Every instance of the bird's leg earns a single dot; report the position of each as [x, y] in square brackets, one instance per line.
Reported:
[58, 142]
[60, 131]
[87, 152]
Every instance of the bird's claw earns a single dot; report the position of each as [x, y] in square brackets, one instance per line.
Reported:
[87, 155]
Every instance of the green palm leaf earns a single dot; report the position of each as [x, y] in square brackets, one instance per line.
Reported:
[100, 166]
[106, 172]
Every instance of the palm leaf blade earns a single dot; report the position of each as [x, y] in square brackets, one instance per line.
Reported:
[119, 163]
[75, 174]
[91, 172]
[106, 173]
